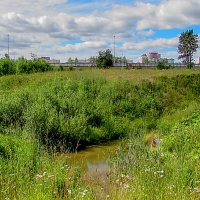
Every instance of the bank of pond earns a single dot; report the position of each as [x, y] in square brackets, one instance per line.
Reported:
[156, 121]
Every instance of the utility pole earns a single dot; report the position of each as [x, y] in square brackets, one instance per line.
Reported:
[8, 46]
[114, 50]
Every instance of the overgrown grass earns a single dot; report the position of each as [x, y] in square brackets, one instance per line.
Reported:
[41, 115]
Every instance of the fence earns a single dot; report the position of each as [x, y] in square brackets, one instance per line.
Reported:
[130, 65]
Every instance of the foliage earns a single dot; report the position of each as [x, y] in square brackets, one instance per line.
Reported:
[22, 65]
[162, 65]
[61, 67]
[188, 44]
[7, 66]
[105, 59]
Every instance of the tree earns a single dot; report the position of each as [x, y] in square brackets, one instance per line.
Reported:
[76, 61]
[188, 44]
[92, 60]
[70, 61]
[105, 59]
[162, 64]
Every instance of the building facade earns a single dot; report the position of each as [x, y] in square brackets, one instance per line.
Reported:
[198, 60]
[151, 57]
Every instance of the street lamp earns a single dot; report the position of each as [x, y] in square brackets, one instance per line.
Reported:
[114, 48]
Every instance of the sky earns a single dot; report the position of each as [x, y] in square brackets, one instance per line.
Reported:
[81, 28]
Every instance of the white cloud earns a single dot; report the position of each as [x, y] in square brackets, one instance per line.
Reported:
[168, 14]
[159, 43]
[85, 45]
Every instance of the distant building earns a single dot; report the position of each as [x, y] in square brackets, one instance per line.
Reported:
[54, 61]
[151, 57]
[46, 58]
[144, 58]
[49, 60]
[198, 60]
[170, 61]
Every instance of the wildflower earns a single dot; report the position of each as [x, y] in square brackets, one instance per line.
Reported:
[12, 174]
[128, 177]
[69, 191]
[159, 172]
[126, 186]
[117, 181]
[41, 175]
[147, 170]
[44, 173]
[161, 176]
[122, 176]
[51, 176]
[85, 190]
[83, 194]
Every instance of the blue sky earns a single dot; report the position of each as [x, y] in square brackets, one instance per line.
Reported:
[68, 28]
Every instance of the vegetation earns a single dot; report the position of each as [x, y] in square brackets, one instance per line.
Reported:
[105, 59]
[188, 44]
[43, 114]
[162, 65]
[22, 65]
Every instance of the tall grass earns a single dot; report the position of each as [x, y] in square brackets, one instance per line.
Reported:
[37, 120]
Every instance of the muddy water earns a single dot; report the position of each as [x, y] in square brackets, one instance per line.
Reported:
[94, 162]
[93, 158]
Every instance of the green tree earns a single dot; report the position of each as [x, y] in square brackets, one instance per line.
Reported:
[92, 60]
[70, 61]
[105, 59]
[188, 44]
[162, 64]
[76, 61]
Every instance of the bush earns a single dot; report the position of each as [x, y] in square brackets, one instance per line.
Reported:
[22, 65]
[7, 66]
[190, 65]
[162, 65]
[61, 67]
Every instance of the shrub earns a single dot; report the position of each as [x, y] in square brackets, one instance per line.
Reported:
[7, 66]
[162, 65]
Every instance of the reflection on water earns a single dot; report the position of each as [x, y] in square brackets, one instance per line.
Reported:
[94, 158]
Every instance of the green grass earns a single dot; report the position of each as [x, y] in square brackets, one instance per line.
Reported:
[43, 114]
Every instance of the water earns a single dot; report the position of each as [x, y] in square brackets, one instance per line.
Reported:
[93, 158]
[94, 162]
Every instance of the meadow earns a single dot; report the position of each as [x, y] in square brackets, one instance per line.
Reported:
[155, 113]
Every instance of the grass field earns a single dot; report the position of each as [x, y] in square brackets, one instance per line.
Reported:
[156, 113]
